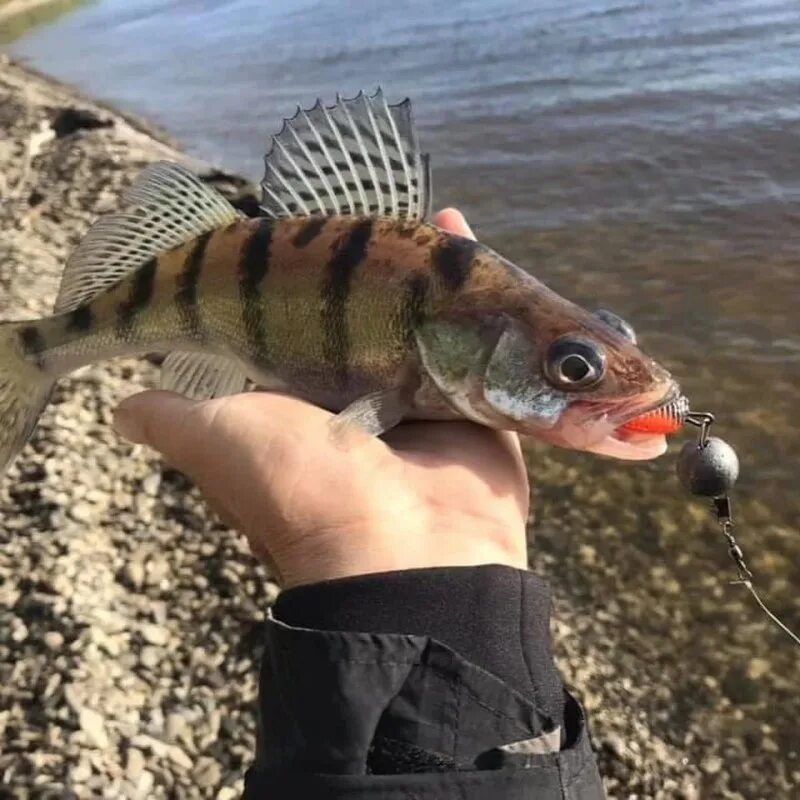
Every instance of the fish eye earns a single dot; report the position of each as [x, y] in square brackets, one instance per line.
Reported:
[574, 363]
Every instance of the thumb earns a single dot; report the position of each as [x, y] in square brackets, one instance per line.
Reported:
[159, 420]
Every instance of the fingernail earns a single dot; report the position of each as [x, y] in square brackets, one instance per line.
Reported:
[125, 425]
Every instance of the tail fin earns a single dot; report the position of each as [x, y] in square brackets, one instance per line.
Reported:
[24, 390]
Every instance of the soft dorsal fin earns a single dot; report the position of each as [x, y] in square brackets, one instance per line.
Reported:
[359, 156]
[166, 206]
[202, 376]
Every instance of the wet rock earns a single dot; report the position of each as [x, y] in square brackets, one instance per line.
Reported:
[69, 120]
[739, 686]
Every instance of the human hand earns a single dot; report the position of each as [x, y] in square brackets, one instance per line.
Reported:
[427, 494]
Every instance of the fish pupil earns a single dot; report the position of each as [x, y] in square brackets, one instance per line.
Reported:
[575, 368]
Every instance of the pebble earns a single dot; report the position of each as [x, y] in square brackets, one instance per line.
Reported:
[54, 640]
[206, 773]
[133, 572]
[155, 635]
[711, 765]
[93, 724]
[134, 764]
[82, 512]
[150, 657]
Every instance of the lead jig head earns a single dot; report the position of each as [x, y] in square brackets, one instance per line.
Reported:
[708, 468]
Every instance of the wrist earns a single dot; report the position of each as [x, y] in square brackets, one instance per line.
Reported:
[330, 555]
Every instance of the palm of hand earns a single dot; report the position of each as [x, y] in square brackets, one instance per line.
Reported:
[428, 494]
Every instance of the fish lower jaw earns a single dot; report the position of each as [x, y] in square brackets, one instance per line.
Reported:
[630, 446]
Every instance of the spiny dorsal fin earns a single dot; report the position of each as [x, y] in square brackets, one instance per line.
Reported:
[166, 206]
[359, 156]
[202, 376]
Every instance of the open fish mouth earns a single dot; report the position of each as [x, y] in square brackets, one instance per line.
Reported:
[641, 434]
[666, 418]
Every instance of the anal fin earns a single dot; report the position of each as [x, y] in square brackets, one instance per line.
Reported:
[202, 376]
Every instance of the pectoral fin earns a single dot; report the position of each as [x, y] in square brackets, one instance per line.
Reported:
[373, 413]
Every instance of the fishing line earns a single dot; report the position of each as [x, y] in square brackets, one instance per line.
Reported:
[709, 467]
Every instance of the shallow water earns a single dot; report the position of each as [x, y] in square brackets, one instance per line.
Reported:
[637, 155]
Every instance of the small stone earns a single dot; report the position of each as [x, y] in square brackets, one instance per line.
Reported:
[133, 573]
[711, 764]
[757, 668]
[19, 631]
[155, 635]
[149, 657]
[151, 484]
[179, 757]
[206, 773]
[82, 512]
[54, 640]
[93, 724]
[81, 772]
[134, 764]
[157, 569]
[175, 726]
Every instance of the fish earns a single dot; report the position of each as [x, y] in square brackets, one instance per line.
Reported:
[343, 293]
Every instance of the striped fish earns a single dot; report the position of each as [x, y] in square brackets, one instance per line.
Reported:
[343, 293]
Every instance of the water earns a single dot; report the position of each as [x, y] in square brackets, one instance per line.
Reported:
[637, 155]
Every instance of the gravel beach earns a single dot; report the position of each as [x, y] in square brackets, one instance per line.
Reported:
[130, 620]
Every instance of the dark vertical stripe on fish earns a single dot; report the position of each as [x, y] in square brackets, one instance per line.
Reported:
[413, 311]
[348, 255]
[452, 260]
[80, 320]
[33, 344]
[253, 268]
[309, 231]
[139, 296]
[186, 294]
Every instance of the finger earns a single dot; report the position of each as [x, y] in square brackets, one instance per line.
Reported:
[237, 430]
[159, 420]
[451, 219]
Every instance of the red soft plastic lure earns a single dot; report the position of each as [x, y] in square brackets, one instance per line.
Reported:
[669, 418]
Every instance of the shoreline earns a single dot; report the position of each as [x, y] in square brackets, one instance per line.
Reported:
[115, 582]
[12, 8]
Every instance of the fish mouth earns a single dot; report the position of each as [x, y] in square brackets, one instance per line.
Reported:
[638, 432]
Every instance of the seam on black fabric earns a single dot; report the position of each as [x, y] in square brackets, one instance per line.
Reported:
[534, 692]
[447, 679]
[466, 689]
[278, 653]
[460, 781]
[376, 662]
[457, 688]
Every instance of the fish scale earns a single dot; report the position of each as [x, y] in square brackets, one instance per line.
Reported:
[344, 294]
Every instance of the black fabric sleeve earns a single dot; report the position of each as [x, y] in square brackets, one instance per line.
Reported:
[433, 683]
[494, 616]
